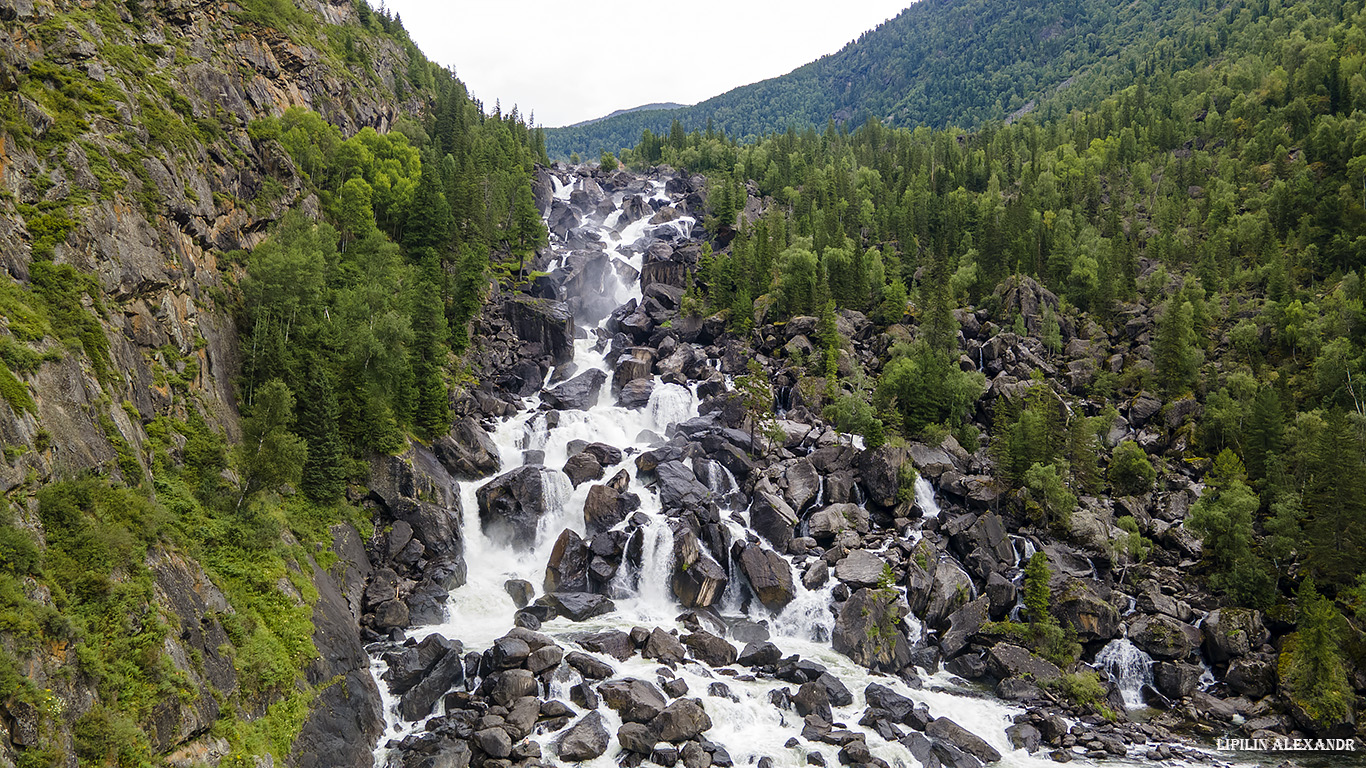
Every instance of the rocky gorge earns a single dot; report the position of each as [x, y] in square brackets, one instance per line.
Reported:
[640, 579]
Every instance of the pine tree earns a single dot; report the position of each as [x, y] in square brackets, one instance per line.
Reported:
[432, 409]
[1263, 439]
[324, 478]
[528, 230]
[1174, 349]
[1335, 502]
[1315, 675]
[429, 218]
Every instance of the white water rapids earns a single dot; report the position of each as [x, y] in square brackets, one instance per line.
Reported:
[749, 726]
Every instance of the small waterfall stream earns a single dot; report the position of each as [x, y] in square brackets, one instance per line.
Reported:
[1129, 667]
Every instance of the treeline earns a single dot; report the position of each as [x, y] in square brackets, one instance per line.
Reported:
[942, 64]
[1227, 196]
[356, 317]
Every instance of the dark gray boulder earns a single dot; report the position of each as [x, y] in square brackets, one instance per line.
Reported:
[680, 721]
[868, 630]
[585, 740]
[512, 504]
[579, 393]
[467, 452]
[544, 324]
[769, 576]
[636, 701]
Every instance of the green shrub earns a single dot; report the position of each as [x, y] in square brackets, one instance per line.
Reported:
[15, 392]
[1131, 473]
[1084, 690]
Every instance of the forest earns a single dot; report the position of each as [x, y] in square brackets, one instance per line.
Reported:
[941, 64]
[1225, 197]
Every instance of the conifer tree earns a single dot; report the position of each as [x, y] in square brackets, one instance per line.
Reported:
[323, 478]
[528, 230]
[1174, 348]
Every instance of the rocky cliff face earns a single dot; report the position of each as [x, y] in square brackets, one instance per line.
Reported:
[128, 177]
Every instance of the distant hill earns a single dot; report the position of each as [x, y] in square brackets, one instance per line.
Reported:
[660, 105]
[939, 62]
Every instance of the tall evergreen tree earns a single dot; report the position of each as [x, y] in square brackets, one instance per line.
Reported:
[324, 477]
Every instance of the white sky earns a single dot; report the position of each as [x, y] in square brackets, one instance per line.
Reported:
[572, 60]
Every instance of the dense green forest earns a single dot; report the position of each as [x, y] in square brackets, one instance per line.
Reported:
[939, 64]
[1225, 198]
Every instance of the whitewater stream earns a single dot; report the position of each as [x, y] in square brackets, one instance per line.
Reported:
[747, 724]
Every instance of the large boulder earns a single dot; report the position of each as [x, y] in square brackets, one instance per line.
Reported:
[679, 488]
[567, 569]
[880, 473]
[468, 452]
[710, 649]
[417, 703]
[579, 393]
[680, 721]
[772, 518]
[868, 630]
[861, 568]
[580, 606]
[945, 729]
[963, 624]
[636, 701]
[512, 504]
[1092, 618]
[1233, 632]
[769, 575]
[545, 326]
[585, 740]
[1005, 660]
[698, 580]
[605, 507]
[825, 525]
[1164, 638]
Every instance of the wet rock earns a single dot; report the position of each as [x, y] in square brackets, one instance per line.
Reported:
[468, 452]
[637, 738]
[825, 525]
[510, 685]
[1024, 736]
[409, 665]
[861, 568]
[520, 590]
[1091, 617]
[636, 394]
[606, 506]
[579, 393]
[1005, 660]
[1232, 632]
[868, 630]
[636, 701]
[698, 580]
[1164, 638]
[769, 575]
[1175, 680]
[580, 606]
[567, 569]
[710, 649]
[963, 624]
[1252, 677]
[680, 721]
[494, 742]
[772, 518]
[582, 467]
[543, 323]
[760, 654]
[663, 646]
[512, 504]
[585, 740]
[947, 730]
[445, 673]
[678, 487]
[949, 591]
[545, 658]
[816, 575]
[509, 652]
[613, 642]
[880, 474]
[813, 699]
[589, 666]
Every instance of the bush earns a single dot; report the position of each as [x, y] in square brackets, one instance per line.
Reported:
[1131, 473]
[1084, 690]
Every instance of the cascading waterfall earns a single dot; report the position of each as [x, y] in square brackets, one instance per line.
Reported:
[748, 724]
[924, 497]
[1129, 667]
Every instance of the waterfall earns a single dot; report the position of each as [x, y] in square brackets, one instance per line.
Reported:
[746, 724]
[1129, 667]
[924, 497]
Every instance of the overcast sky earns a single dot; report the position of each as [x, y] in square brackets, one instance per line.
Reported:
[572, 60]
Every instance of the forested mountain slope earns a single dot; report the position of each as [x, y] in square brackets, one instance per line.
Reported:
[168, 366]
[1162, 291]
[937, 64]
